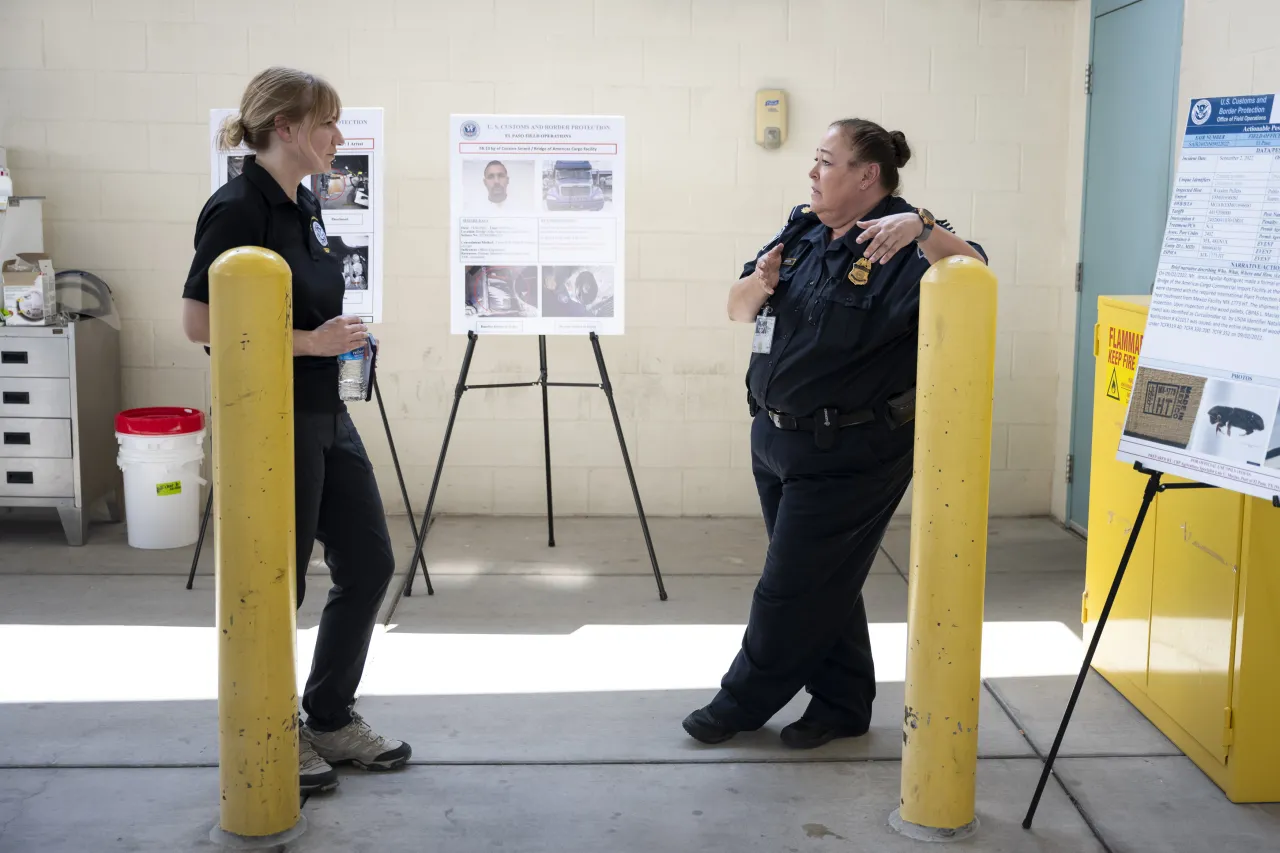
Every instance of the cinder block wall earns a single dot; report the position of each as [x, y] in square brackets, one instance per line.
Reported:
[104, 108]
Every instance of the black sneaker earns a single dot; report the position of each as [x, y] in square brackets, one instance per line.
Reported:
[704, 727]
[809, 734]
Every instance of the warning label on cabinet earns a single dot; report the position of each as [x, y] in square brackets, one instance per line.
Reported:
[1123, 347]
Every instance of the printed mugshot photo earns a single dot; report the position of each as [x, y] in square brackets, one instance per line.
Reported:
[353, 250]
[502, 291]
[495, 187]
[577, 185]
[1235, 421]
[577, 291]
[347, 185]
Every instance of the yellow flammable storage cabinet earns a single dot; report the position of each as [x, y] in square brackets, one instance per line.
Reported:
[1193, 639]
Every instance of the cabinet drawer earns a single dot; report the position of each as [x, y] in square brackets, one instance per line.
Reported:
[34, 358]
[35, 398]
[35, 438]
[36, 478]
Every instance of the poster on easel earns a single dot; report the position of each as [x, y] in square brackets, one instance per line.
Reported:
[1205, 404]
[537, 230]
[351, 200]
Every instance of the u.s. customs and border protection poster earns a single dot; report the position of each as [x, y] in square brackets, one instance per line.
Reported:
[1206, 395]
[351, 199]
[537, 232]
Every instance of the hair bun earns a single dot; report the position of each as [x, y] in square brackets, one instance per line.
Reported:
[901, 150]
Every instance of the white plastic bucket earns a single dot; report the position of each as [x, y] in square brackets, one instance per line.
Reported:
[161, 475]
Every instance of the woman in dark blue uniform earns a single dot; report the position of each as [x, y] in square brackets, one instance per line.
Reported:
[289, 120]
[835, 298]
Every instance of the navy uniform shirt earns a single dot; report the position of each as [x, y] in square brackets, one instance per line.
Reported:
[253, 210]
[838, 343]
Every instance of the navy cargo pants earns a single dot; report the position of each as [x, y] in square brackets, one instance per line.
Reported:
[337, 502]
[825, 512]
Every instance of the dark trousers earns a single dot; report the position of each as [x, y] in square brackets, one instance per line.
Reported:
[826, 513]
[338, 503]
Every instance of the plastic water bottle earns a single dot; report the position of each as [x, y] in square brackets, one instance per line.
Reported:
[351, 375]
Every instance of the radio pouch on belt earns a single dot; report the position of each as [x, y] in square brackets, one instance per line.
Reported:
[902, 408]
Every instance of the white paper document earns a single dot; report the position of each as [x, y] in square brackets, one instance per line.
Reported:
[351, 195]
[537, 231]
[1206, 396]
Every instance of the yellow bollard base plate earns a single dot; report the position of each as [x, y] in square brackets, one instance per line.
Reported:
[930, 833]
[231, 841]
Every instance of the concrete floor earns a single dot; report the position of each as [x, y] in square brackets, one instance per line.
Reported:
[542, 690]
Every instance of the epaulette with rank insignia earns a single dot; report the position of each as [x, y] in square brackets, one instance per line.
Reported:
[800, 218]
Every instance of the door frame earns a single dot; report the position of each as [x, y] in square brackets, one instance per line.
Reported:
[1098, 10]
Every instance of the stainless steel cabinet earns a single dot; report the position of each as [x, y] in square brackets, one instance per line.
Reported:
[59, 395]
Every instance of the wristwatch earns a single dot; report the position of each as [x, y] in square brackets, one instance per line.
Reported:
[927, 218]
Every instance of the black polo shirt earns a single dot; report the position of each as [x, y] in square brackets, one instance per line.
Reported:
[838, 343]
[253, 210]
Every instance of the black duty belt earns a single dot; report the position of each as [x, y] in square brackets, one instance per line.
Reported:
[826, 423]
[825, 418]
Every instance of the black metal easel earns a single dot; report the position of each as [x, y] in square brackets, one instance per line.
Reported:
[462, 387]
[404, 495]
[1154, 486]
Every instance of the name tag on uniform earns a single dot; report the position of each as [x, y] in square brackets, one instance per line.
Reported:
[763, 340]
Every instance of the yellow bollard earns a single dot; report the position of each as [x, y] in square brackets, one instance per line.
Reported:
[949, 504]
[250, 328]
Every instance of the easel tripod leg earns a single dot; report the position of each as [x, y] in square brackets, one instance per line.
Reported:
[459, 390]
[204, 524]
[1148, 495]
[546, 436]
[626, 459]
[404, 491]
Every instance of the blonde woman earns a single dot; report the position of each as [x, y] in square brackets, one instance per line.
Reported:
[289, 120]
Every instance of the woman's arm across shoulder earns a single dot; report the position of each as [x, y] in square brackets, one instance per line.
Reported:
[942, 244]
[884, 237]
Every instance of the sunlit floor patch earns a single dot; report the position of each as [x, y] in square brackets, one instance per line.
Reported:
[118, 663]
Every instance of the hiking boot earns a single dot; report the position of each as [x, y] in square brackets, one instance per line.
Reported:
[356, 743]
[314, 773]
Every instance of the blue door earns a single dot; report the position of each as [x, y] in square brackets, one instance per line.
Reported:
[1137, 49]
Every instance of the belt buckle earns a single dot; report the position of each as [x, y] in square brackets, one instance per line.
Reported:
[776, 418]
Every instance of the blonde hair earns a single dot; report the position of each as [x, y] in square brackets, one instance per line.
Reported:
[296, 95]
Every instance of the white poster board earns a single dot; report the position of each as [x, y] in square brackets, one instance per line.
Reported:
[1206, 396]
[537, 232]
[351, 198]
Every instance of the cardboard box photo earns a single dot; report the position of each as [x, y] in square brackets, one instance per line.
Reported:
[27, 283]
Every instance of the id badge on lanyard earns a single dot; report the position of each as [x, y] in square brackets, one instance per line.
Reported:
[763, 340]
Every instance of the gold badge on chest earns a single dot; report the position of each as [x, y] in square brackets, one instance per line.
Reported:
[860, 272]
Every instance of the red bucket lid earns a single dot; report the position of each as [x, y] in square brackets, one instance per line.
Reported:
[160, 420]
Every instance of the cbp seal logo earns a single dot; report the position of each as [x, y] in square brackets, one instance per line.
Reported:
[318, 230]
[1201, 111]
[470, 130]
